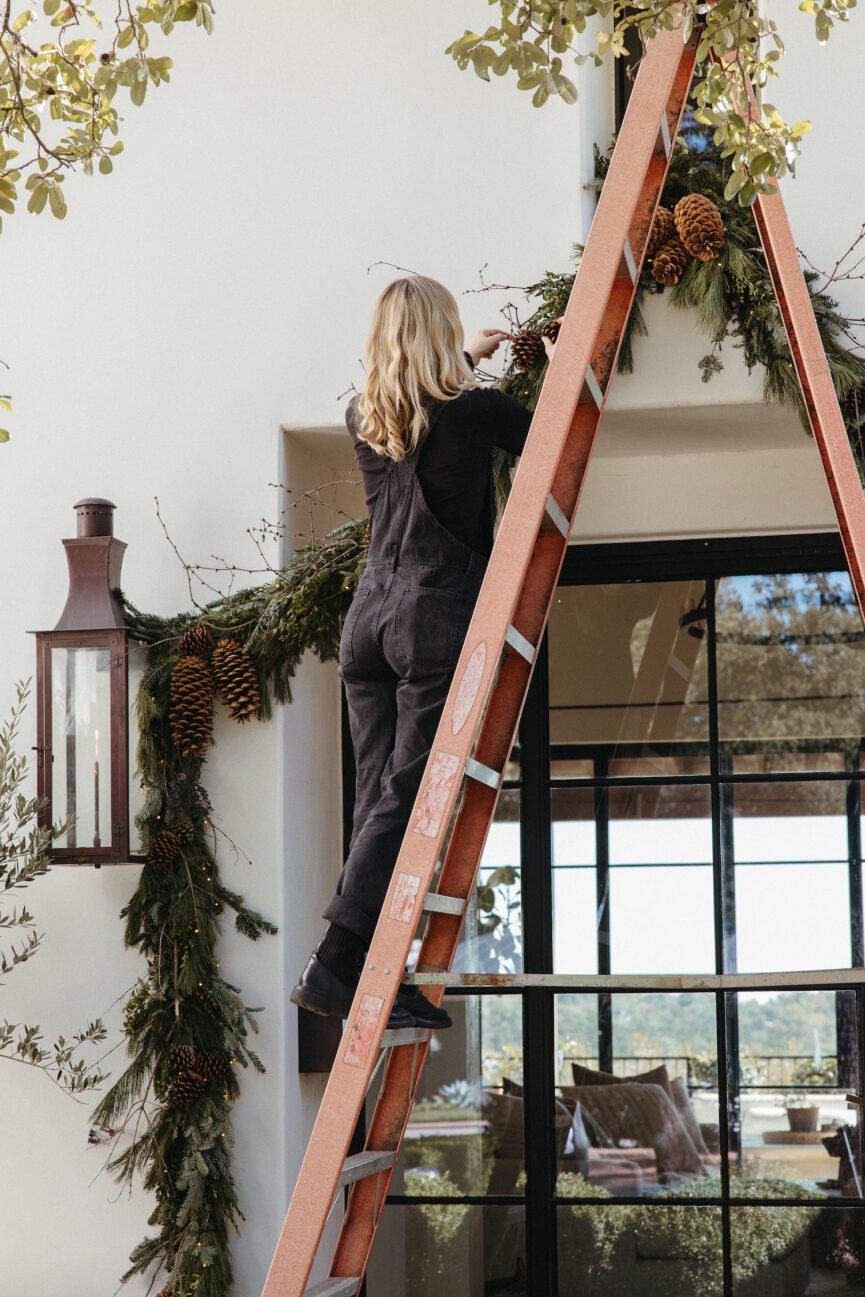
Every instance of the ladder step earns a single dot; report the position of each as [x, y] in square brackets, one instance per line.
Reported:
[404, 1036]
[361, 1165]
[482, 774]
[665, 135]
[520, 643]
[334, 1288]
[557, 515]
[437, 903]
[594, 387]
[629, 260]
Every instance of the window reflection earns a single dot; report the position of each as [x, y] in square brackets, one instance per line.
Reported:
[645, 1121]
[627, 668]
[790, 846]
[789, 1077]
[791, 670]
[492, 940]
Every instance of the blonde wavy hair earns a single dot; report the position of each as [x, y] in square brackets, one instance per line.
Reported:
[414, 350]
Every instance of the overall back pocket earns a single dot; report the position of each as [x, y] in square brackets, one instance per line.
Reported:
[430, 625]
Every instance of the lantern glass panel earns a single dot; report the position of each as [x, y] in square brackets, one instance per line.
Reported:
[137, 658]
[81, 744]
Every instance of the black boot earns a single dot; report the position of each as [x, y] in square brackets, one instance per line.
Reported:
[321, 991]
[424, 1014]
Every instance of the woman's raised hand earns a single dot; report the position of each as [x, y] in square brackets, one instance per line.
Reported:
[485, 342]
[549, 347]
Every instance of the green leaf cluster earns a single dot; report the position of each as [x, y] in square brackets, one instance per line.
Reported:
[24, 846]
[59, 94]
[738, 49]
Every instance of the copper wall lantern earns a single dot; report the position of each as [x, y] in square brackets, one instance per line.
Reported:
[87, 672]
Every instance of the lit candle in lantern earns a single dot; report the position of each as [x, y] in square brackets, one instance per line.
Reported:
[97, 841]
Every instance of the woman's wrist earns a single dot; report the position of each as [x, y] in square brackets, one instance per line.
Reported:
[470, 358]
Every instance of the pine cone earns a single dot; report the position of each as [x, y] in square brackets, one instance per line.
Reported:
[551, 330]
[182, 1058]
[183, 1088]
[191, 706]
[663, 229]
[527, 349]
[213, 1067]
[699, 226]
[163, 849]
[236, 679]
[669, 262]
[184, 831]
[196, 641]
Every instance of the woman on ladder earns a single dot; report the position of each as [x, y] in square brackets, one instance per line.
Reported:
[423, 431]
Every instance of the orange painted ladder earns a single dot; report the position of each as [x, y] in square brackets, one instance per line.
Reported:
[458, 794]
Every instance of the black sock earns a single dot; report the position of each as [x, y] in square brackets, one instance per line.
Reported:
[340, 951]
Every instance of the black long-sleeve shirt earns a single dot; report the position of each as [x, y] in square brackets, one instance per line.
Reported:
[455, 463]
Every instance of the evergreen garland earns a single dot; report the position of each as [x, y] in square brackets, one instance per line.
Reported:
[733, 297]
[187, 1028]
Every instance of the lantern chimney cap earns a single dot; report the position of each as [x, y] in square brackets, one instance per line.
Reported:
[95, 517]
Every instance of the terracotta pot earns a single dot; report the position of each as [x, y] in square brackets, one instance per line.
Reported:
[802, 1119]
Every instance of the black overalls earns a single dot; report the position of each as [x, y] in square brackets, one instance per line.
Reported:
[400, 643]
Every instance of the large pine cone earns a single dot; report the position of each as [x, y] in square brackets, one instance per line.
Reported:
[551, 330]
[669, 262]
[212, 1067]
[191, 706]
[236, 679]
[163, 849]
[663, 229]
[527, 350]
[699, 226]
[184, 831]
[185, 1087]
[196, 641]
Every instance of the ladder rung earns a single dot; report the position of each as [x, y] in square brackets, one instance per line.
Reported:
[520, 643]
[557, 515]
[334, 1288]
[361, 1165]
[629, 260]
[437, 903]
[594, 387]
[482, 774]
[404, 1036]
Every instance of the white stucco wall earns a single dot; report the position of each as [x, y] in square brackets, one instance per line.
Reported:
[211, 292]
[213, 289]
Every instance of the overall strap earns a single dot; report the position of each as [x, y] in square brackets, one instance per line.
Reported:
[406, 470]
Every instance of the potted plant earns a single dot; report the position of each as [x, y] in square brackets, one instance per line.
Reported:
[801, 1115]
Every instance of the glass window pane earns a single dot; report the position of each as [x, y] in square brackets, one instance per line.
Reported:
[627, 670]
[809, 1251]
[661, 900]
[797, 1059]
[647, 1119]
[640, 1251]
[492, 939]
[81, 744]
[432, 1249]
[575, 937]
[791, 669]
[137, 794]
[790, 847]
[465, 1132]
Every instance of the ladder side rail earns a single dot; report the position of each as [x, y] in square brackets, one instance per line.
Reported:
[810, 363]
[815, 381]
[529, 616]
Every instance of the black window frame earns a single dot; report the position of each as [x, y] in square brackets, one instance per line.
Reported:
[588, 564]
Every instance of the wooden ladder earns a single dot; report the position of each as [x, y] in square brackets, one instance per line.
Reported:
[435, 872]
